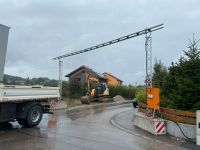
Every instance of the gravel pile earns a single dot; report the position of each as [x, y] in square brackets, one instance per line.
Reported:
[118, 98]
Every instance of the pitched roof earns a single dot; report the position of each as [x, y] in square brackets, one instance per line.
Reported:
[69, 74]
[112, 76]
[89, 70]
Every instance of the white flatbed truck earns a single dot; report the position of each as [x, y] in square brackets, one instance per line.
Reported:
[26, 104]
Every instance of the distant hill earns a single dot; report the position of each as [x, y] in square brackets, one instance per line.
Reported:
[15, 80]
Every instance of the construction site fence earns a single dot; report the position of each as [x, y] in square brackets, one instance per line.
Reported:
[175, 115]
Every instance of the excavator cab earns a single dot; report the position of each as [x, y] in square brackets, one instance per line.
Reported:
[101, 90]
[98, 92]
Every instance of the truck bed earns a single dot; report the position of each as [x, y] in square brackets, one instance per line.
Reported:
[12, 93]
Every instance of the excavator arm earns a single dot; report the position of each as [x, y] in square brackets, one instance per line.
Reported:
[91, 92]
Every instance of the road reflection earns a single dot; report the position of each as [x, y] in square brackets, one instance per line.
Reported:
[53, 123]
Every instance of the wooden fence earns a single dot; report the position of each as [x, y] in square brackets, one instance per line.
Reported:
[175, 115]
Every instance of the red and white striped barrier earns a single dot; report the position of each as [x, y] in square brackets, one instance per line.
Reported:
[160, 128]
[153, 125]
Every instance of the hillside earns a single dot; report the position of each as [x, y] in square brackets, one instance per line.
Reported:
[15, 80]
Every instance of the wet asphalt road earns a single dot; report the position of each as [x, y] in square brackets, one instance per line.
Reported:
[79, 129]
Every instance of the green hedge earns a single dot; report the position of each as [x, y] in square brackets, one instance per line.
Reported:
[125, 91]
[141, 95]
[72, 89]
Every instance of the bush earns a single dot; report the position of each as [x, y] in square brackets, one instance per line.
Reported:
[65, 89]
[196, 106]
[141, 95]
[72, 89]
[125, 91]
[165, 102]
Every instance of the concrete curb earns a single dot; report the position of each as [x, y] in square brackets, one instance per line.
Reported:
[115, 124]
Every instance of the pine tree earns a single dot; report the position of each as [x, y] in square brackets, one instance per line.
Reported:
[193, 53]
[182, 85]
[5, 80]
[160, 72]
[27, 82]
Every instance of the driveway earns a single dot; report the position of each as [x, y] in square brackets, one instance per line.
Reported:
[85, 128]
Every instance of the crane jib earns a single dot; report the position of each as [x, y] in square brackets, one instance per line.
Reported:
[145, 31]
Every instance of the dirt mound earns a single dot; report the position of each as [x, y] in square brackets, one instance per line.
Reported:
[118, 98]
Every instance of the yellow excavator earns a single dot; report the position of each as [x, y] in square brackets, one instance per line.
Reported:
[99, 92]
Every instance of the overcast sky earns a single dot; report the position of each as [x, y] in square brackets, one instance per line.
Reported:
[43, 29]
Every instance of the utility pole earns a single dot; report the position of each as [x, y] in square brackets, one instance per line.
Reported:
[60, 76]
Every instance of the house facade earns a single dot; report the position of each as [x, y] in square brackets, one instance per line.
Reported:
[82, 73]
[112, 80]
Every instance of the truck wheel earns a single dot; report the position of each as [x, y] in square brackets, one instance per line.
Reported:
[22, 121]
[34, 116]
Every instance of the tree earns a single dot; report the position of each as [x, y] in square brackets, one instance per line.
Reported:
[5, 80]
[65, 89]
[193, 53]
[27, 82]
[182, 84]
[54, 83]
[75, 90]
[159, 73]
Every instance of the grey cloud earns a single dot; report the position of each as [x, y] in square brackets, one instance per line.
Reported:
[41, 30]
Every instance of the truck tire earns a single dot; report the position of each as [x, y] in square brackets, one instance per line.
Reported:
[34, 116]
[22, 121]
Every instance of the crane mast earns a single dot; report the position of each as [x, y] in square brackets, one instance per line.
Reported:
[148, 50]
[150, 91]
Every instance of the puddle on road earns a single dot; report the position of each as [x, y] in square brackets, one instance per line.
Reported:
[79, 113]
[63, 116]
[52, 123]
[46, 129]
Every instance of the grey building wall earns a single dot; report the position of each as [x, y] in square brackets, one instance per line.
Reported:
[78, 76]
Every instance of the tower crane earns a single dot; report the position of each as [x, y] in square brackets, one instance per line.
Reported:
[152, 94]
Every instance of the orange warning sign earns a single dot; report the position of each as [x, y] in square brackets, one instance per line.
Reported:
[153, 99]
